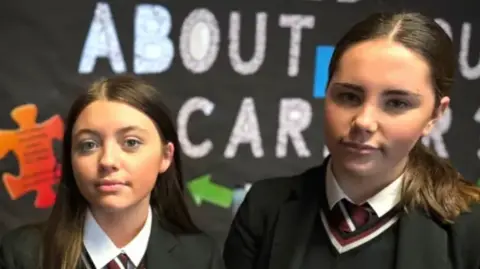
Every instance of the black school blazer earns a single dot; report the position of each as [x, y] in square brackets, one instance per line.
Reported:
[273, 224]
[19, 249]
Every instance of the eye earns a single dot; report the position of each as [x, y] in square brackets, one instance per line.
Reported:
[87, 146]
[132, 143]
[398, 104]
[349, 98]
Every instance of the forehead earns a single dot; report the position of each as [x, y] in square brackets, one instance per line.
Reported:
[109, 116]
[383, 63]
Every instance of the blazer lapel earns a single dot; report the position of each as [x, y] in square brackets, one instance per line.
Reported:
[161, 249]
[284, 234]
[295, 221]
[309, 211]
[81, 265]
[422, 243]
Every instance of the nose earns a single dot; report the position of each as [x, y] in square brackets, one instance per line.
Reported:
[108, 161]
[366, 119]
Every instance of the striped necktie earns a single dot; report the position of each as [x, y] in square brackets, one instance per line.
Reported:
[120, 262]
[360, 215]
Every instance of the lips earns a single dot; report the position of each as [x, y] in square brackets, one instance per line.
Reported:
[110, 183]
[358, 147]
[110, 186]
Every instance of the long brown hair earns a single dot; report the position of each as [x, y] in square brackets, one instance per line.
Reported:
[431, 183]
[63, 237]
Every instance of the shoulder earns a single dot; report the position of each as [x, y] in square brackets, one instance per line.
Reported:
[273, 191]
[21, 245]
[200, 248]
[27, 235]
[197, 241]
[466, 234]
[468, 223]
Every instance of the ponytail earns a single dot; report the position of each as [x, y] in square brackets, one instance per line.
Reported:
[431, 183]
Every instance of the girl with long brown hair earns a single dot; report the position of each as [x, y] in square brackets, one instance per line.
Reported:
[120, 202]
[381, 199]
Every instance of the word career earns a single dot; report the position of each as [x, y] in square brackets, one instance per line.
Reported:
[294, 118]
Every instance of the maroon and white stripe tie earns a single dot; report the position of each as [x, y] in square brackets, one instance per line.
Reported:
[359, 214]
[120, 262]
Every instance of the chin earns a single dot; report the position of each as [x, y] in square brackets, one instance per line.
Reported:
[361, 168]
[113, 204]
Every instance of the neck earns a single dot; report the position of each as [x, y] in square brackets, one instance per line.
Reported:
[360, 188]
[123, 225]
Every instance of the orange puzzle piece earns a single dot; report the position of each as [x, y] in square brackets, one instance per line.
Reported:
[32, 145]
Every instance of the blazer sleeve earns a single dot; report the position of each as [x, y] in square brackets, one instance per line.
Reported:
[244, 237]
[7, 253]
[3, 257]
[19, 248]
[216, 261]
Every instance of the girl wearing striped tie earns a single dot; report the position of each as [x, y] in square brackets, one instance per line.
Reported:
[380, 199]
[120, 202]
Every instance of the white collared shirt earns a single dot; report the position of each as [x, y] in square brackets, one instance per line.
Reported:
[102, 250]
[381, 202]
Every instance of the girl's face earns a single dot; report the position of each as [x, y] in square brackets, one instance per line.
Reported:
[117, 154]
[379, 102]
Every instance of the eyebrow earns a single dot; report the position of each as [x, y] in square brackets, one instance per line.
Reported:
[122, 130]
[390, 91]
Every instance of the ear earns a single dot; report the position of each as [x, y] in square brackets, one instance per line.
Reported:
[437, 114]
[167, 157]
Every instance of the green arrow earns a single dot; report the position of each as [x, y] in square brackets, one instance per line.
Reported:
[203, 189]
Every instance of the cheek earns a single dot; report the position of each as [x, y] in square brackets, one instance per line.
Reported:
[84, 172]
[403, 134]
[83, 169]
[336, 120]
[144, 169]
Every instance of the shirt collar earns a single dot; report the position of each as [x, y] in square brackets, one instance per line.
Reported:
[102, 250]
[381, 203]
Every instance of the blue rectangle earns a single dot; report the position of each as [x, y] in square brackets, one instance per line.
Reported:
[323, 54]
